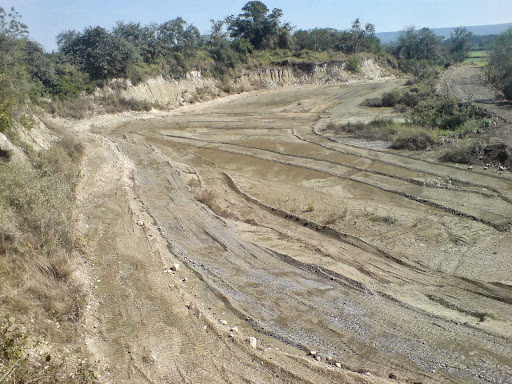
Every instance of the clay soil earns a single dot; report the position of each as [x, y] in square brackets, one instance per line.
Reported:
[391, 267]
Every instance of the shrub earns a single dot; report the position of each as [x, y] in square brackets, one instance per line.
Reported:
[410, 99]
[374, 102]
[390, 99]
[354, 64]
[75, 109]
[413, 141]
[137, 73]
[114, 104]
[443, 112]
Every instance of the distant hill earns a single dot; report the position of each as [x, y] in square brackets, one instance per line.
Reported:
[478, 30]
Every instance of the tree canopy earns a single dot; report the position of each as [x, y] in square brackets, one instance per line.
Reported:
[500, 63]
[258, 25]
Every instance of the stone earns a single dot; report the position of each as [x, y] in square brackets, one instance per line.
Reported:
[224, 322]
[318, 358]
[470, 167]
[140, 223]
[328, 358]
[338, 365]
[253, 342]
[175, 267]
[234, 329]
[313, 353]
[188, 304]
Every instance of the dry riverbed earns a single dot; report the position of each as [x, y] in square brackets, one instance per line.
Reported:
[237, 221]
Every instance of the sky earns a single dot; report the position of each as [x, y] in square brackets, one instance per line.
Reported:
[47, 18]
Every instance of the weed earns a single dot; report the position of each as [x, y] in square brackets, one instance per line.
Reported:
[354, 64]
[19, 365]
[334, 217]
[310, 208]
[207, 197]
[381, 219]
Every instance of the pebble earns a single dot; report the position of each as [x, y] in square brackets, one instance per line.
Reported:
[313, 353]
[328, 358]
[224, 322]
[175, 267]
[252, 342]
[486, 167]
[140, 223]
[231, 335]
[188, 304]
[338, 365]
[318, 358]
[470, 167]
[234, 329]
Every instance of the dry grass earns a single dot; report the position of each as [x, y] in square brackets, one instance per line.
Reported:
[207, 197]
[86, 106]
[37, 249]
[334, 217]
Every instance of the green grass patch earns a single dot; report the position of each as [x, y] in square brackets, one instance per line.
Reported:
[478, 54]
[480, 58]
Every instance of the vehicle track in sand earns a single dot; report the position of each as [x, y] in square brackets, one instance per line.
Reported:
[392, 265]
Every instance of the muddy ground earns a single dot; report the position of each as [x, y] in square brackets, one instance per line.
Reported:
[391, 267]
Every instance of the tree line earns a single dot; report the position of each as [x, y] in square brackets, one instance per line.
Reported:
[86, 59]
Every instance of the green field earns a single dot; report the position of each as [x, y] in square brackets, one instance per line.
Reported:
[478, 58]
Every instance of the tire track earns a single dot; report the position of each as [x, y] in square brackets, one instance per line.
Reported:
[501, 227]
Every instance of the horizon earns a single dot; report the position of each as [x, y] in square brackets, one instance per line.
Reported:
[387, 16]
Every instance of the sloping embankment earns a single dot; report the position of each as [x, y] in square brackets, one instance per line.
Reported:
[194, 87]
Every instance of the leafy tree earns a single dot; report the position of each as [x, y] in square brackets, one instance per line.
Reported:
[143, 38]
[221, 51]
[98, 52]
[460, 43]
[40, 65]
[69, 82]
[500, 63]
[175, 35]
[257, 25]
[15, 83]
[418, 45]
[361, 39]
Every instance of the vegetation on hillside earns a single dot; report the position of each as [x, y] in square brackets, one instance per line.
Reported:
[257, 36]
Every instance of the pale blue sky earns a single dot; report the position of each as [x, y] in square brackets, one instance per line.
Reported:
[47, 18]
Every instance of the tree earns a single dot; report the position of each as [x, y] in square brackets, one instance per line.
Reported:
[176, 35]
[98, 53]
[257, 25]
[141, 37]
[500, 63]
[15, 82]
[460, 43]
[418, 45]
[360, 37]
[219, 49]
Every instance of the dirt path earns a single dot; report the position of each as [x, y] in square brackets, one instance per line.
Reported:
[468, 82]
[393, 267]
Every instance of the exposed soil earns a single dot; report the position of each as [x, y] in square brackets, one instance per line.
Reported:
[397, 268]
